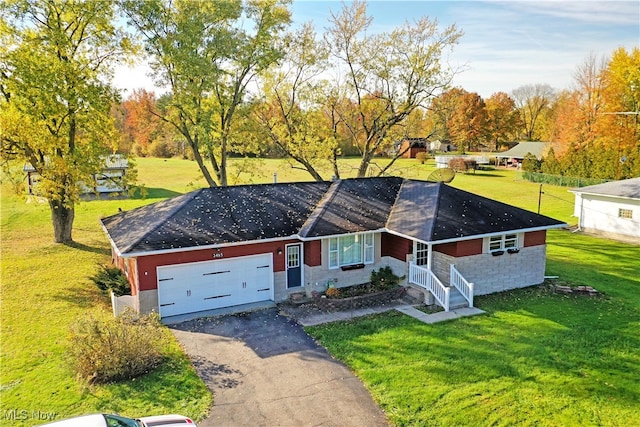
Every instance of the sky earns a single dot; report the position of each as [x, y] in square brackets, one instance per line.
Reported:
[505, 44]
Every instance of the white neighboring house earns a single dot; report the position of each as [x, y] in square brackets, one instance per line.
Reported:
[611, 209]
[109, 180]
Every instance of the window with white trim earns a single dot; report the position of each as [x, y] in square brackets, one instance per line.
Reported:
[503, 241]
[351, 250]
[422, 254]
[625, 213]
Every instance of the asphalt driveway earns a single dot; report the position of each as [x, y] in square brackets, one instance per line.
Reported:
[264, 370]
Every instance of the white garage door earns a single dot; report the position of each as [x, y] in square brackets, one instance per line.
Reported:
[199, 286]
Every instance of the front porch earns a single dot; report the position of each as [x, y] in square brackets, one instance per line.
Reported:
[458, 294]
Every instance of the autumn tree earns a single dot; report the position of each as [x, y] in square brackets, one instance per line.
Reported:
[596, 124]
[55, 60]
[207, 53]
[589, 79]
[467, 124]
[387, 75]
[503, 120]
[442, 109]
[566, 124]
[619, 123]
[141, 120]
[289, 114]
[531, 101]
[253, 50]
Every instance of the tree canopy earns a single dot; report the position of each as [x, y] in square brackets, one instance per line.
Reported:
[56, 59]
[207, 53]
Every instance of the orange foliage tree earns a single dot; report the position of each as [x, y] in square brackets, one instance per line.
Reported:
[503, 120]
[141, 125]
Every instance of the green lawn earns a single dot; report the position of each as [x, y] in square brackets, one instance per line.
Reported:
[538, 354]
[44, 287]
[535, 358]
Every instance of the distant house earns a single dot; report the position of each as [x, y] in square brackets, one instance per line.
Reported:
[226, 246]
[410, 147]
[109, 180]
[515, 155]
[611, 209]
[442, 145]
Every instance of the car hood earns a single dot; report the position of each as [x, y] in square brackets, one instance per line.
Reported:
[172, 420]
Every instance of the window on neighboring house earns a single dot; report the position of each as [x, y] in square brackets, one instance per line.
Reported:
[502, 242]
[351, 250]
[625, 213]
[422, 254]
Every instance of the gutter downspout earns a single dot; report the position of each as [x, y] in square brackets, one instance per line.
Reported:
[580, 217]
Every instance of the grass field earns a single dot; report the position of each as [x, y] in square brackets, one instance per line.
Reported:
[536, 358]
[45, 286]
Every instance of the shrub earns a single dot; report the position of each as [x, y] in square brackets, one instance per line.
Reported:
[384, 279]
[530, 163]
[422, 157]
[110, 278]
[161, 148]
[471, 164]
[458, 164]
[117, 348]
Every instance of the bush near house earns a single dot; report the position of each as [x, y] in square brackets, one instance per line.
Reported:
[109, 349]
[111, 278]
[384, 279]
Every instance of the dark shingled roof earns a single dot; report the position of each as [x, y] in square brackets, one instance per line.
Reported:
[435, 211]
[353, 205]
[422, 210]
[213, 216]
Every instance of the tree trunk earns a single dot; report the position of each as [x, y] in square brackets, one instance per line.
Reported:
[62, 218]
[336, 171]
[222, 173]
[364, 164]
[203, 168]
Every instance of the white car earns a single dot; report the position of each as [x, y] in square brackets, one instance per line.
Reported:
[111, 420]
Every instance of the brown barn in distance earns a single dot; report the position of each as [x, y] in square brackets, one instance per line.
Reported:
[410, 147]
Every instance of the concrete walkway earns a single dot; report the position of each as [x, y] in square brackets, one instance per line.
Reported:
[321, 318]
[440, 316]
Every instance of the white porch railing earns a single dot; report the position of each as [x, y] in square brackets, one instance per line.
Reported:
[426, 279]
[461, 284]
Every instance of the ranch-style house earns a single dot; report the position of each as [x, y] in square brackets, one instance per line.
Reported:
[228, 246]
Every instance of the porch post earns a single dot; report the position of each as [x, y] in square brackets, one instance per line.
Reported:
[428, 297]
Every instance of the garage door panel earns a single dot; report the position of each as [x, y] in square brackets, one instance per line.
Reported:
[207, 285]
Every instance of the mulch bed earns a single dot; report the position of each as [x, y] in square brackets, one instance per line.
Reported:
[299, 306]
[359, 301]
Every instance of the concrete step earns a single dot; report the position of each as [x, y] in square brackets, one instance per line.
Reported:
[456, 300]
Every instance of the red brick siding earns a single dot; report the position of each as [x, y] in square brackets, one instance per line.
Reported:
[313, 253]
[133, 278]
[147, 264]
[127, 265]
[535, 238]
[396, 247]
[460, 249]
